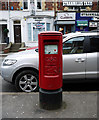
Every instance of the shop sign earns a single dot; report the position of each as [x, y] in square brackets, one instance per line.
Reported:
[76, 3]
[82, 23]
[66, 16]
[89, 14]
[92, 24]
[95, 18]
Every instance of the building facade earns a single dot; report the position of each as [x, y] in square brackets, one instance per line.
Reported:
[24, 19]
[65, 22]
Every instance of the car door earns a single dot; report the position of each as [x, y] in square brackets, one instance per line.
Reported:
[92, 70]
[74, 60]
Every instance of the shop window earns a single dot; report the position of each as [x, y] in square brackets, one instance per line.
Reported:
[81, 28]
[70, 8]
[48, 26]
[83, 7]
[37, 28]
[73, 46]
[3, 34]
[29, 32]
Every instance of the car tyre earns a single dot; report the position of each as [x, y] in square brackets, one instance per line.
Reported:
[27, 81]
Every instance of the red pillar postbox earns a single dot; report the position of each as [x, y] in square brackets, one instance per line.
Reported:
[50, 69]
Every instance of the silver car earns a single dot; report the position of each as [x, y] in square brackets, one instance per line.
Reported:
[80, 61]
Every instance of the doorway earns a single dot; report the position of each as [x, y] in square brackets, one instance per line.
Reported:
[17, 33]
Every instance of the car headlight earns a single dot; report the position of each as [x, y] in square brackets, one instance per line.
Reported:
[9, 62]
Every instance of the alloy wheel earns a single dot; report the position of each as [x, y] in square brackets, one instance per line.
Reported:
[28, 83]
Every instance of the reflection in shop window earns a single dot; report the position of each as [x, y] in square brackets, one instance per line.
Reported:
[37, 28]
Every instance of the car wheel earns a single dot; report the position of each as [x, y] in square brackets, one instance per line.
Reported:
[27, 81]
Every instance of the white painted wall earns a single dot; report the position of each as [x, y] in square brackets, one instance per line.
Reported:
[44, 20]
[49, 13]
[20, 15]
[12, 16]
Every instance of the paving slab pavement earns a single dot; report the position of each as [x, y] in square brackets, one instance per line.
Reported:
[23, 105]
[26, 105]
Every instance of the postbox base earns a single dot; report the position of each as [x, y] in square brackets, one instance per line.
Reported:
[50, 100]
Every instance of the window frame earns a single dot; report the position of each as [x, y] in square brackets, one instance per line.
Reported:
[32, 34]
[83, 44]
[36, 1]
[28, 5]
[41, 22]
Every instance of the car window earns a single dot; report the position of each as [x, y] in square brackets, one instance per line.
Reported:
[94, 44]
[73, 46]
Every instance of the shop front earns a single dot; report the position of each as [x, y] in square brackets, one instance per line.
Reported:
[65, 22]
[35, 25]
[82, 25]
[34, 29]
[86, 21]
[93, 25]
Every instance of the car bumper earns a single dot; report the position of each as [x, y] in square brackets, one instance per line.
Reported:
[6, 73]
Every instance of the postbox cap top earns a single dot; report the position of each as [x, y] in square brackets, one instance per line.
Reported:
[50, 32]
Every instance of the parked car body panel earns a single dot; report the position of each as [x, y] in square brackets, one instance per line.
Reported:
[91, 67]
[25, 59]
[73, 69]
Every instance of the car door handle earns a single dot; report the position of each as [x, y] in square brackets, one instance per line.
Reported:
[79, 60]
